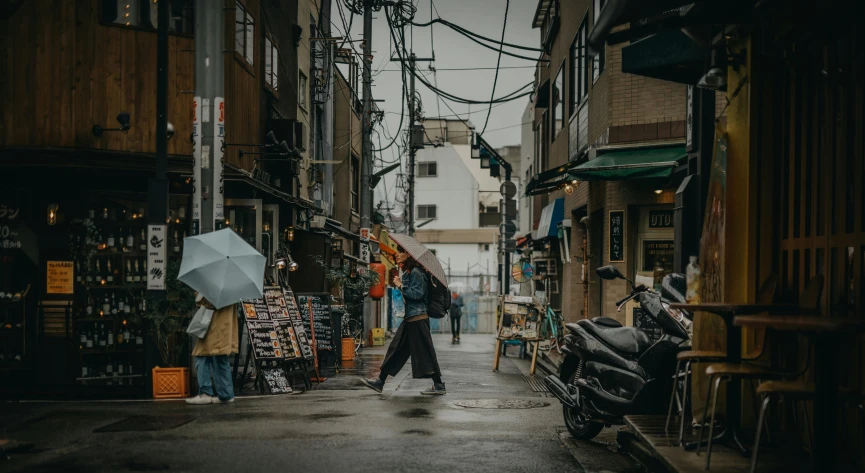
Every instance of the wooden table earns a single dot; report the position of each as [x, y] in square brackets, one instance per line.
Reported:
[730, 433]
[825, 333]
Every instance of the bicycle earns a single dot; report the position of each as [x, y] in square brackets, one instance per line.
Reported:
[352, 328]
[554, 324]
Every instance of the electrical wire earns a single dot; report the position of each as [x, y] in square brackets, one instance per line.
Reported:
[498, 63]
[466, 32]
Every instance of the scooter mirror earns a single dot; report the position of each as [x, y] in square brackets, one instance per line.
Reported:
[609, 272]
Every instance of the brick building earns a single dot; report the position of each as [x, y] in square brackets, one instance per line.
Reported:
[609, 148]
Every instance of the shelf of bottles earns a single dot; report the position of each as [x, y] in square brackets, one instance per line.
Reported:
[12, 329]
[111, 294]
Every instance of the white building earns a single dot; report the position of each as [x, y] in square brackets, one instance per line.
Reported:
[456, 205]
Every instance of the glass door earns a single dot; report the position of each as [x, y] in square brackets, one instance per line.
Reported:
[244, 216]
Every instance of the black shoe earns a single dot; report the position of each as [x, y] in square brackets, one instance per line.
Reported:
[376, 384]
[436, 390]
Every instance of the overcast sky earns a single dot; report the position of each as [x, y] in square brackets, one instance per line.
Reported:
[452, 51]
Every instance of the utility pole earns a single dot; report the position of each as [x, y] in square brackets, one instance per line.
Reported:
[411, 148]
[158, 185]
[208, 118]
[366, 165]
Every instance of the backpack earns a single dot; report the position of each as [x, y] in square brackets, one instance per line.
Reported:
[438, 298]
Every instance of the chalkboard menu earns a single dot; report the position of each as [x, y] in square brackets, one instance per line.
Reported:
[274, 326]
[277, 381]
[644, 321]
[297, 323]
[316, 307]
[617, 236]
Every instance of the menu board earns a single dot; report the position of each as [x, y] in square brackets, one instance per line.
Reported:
[276, 380]
[297, 323]
[317, 308]
[262, 333]
[60, 277]
[278, 312]
[520, 320]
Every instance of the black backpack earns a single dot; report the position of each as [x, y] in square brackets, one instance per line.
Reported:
[438, 298]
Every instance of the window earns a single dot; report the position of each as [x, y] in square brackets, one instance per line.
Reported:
[143, 14]
[244, 33]
[545, 141]
[579, 78]
[484, 247]
[558, 101]
[271, 64]
[426, 211]
[600, 59]
[355, 183]
[492, 210]
[427, 169]
[302, 90]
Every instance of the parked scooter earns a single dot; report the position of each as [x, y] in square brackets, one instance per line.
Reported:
[613, 371]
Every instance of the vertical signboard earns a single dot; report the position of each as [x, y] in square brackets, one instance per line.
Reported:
[689, 119]
[156, 263]
[218, 139]
[196, 167]
[617, 236]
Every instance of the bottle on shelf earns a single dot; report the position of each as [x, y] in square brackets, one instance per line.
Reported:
[139, 337]
[106, 306]
[130, 240]
[136, 275]
[84, 372]
[98, 277]
[109, 338]
[109, 367]
[113, 305]
[89, 343]
[91, 214]
[79, 278]
[89, 276]
[109, 273]
[88, 309]
[105, 213]
[126, 334]
[103, 335]
[176, 243]
[82, 337]
[128, 271]
[142, 241]
[120, 369]
[110, 242]
[144, 275]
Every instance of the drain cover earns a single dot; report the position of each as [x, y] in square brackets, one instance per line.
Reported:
[501, 404]
[147, 423]
[537, 384]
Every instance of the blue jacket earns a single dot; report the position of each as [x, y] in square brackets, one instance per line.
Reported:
[414, 292]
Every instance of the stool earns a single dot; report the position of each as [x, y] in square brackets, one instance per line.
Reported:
[507, 343]
[688, 357]
[796, 391]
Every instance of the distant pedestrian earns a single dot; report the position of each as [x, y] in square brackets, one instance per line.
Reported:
[456, 314]
[211, 356]
[412, 339]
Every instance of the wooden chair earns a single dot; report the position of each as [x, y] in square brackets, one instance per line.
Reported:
[689, 357]
[726, 371]
[796, 391]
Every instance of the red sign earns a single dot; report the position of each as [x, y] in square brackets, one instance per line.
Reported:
[195, 111]
[221, 112]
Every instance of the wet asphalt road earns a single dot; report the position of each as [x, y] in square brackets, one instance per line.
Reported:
[337, 427]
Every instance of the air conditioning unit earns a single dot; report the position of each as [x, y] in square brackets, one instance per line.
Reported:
[317, 221]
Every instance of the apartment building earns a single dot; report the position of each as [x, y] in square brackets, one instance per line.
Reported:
[607, 159]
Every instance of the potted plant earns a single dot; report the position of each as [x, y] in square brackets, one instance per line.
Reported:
[166, 320]
[352, 287]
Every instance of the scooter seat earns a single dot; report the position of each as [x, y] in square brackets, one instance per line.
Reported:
[629, 340]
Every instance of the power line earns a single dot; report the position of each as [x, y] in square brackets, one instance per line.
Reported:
[467, 68]
[498, 63]
[466, 32]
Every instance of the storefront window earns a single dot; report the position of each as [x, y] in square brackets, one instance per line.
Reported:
[655, 248]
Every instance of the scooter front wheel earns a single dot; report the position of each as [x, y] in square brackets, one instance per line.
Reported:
[579, 426]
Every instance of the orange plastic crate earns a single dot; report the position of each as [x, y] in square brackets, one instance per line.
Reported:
[170, 383]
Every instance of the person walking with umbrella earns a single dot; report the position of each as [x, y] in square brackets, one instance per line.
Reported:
[223, 270]
[412, 339]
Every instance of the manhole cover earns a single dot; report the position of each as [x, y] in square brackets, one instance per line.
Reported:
[147, 423]
[501, 404]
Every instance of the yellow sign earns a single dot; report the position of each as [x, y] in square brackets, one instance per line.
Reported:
[60, 277]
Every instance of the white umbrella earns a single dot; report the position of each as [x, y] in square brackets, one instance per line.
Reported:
[222, 267]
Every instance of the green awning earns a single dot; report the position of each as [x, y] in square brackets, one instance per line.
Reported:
[631, 164]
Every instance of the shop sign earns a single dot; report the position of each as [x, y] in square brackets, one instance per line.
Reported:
[218, 184]
[617, 236]
[61, 275]
[196, 165]
[364, 234]
[364, 252]
[156, 261]
[689, 119]
[658, 251]
[661, 218]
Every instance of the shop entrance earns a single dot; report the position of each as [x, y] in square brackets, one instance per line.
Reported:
[256, 223]
[655, 244]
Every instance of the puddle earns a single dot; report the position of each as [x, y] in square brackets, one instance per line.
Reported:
[415, 413]
[422, 433]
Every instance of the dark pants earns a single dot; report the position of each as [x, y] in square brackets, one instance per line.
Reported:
[412, 339]
[455, 326]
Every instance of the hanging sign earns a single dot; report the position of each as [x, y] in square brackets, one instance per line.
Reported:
[689, 119]
[617, 236]
[60, 277]
[156, 261]
[662, 218]
[196, 166]
[218, 185]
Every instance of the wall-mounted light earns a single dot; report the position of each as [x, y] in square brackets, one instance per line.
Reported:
[289, 233]
[288, 262]
[569, 189]
[52, 214]
[122, 118]
[658, 191]
[266, 227]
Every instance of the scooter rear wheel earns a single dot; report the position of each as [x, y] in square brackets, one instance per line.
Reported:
[579, 426]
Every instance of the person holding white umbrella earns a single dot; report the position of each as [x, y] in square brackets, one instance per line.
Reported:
[223, 269]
